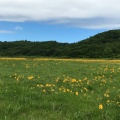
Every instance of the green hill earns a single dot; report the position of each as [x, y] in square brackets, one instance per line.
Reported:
[102, 45]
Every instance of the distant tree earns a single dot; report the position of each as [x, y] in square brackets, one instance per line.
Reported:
[107, 53]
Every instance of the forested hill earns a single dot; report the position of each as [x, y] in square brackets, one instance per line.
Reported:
[102, 45]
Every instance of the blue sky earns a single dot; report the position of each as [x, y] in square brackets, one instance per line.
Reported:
[61, 20]
[36, 31]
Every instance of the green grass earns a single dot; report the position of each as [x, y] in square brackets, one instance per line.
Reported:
[59, 90]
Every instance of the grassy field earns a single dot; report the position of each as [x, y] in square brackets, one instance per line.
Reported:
[59, 89]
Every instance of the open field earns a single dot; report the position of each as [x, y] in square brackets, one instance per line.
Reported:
[59, 89]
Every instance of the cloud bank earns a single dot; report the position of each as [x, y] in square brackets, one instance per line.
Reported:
[78, 13]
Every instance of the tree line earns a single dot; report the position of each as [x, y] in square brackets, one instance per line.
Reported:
[102, 45]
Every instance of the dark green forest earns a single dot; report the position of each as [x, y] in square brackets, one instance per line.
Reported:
[102, 45]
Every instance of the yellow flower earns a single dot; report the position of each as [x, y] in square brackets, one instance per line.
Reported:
[48, 85]
[30, 77]
[100, 106]
[68, 90]
[41, 85]
[76, 93]
[17, 78]
[60, 89]
[52, 90]
[44, 90]
[106, 95]
[74, 80]
[64, 90]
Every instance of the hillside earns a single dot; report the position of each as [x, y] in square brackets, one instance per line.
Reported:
[102, 45]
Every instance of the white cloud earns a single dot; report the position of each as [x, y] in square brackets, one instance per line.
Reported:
[6, 32]
[71, 12]
[18, 28]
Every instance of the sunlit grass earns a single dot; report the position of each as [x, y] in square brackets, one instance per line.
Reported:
[59, 89]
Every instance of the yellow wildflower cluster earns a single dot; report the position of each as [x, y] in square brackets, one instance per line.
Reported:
[106, 94]
[16, 76]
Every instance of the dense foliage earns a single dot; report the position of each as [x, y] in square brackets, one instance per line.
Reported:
[102, 45]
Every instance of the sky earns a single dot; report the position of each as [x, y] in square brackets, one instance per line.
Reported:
[59, 20]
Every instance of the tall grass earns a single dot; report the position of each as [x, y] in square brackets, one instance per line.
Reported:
[54, 89]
